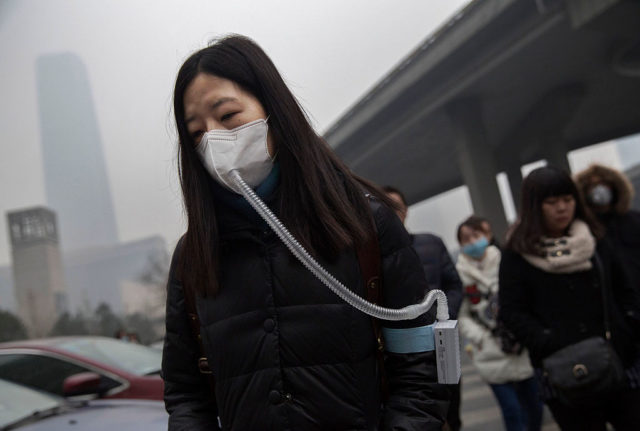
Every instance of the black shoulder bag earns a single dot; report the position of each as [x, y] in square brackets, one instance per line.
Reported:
[584, 373]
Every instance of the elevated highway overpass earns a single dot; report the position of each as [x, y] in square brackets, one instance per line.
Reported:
[502, 84]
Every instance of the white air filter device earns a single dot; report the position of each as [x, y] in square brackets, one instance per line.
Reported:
[447, 351]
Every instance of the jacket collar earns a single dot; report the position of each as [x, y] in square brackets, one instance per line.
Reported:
[234, 213]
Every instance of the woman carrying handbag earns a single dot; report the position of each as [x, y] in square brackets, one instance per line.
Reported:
[566, 297]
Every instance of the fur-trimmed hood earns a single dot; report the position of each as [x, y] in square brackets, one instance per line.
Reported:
[623, 189]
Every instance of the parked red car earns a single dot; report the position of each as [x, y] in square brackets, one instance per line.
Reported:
[84, 366]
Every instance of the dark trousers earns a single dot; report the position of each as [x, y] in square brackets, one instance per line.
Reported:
[622, 410]
[520, 404]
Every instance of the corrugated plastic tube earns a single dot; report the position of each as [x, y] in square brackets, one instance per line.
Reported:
[406, 313]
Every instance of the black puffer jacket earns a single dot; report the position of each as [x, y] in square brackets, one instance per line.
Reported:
[439, 269]
[287, 353]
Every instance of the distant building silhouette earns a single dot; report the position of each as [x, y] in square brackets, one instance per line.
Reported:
[110, 274]
[102, 274]
[96, 266]
[76, 182]
[37, 268]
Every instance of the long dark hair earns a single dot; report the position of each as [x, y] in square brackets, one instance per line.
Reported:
[540, 184]
[321, 202]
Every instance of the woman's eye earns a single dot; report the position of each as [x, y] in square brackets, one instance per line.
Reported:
[227, 116]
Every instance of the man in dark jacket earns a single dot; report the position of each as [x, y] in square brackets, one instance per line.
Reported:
[441, 274]
[608, 193]
[439, 269]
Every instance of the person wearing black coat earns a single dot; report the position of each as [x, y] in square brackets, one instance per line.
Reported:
[285, 352]
[439, 269]
[441, 274]
[608, 193]
[437, 264]
[551, 295]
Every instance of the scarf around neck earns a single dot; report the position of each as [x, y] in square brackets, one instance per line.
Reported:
[479, 270]
[567, 254]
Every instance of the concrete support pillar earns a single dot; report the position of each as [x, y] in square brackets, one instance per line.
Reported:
[514, 175]
[556, 155]
[477, 163]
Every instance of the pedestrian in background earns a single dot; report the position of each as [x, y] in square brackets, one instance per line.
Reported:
[608, 194]
[483, 224]
[438, 266]
[284, 351]
[441, 274]
[565, 295]
[499, 359]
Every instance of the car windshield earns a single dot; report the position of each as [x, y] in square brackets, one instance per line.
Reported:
[18, 402]
[133, 358]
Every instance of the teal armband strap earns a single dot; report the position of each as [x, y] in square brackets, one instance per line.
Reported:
[409, 340]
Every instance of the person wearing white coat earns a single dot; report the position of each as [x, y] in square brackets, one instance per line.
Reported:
[498, 358]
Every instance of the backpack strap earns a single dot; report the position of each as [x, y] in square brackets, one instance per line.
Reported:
[369, 259]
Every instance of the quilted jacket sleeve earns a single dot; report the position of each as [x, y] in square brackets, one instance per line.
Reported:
[187, 394]
[416, 401]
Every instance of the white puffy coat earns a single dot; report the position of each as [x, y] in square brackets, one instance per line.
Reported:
[480, 282]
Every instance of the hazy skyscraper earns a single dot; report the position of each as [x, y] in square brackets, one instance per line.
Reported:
[76, 182]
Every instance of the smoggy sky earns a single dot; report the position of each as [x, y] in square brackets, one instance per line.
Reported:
[330, 53]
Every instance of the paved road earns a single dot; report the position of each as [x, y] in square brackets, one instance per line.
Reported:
[480, 411]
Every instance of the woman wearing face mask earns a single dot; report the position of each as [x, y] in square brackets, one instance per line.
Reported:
[501, 362]
[561, 286]
[284, 351]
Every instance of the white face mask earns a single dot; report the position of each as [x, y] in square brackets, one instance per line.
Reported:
[601, 195]
[243, 149]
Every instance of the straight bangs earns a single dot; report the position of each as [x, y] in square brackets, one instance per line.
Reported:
[549, 183]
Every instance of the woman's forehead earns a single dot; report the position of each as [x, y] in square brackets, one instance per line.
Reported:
[468, 230]
[204, 85]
